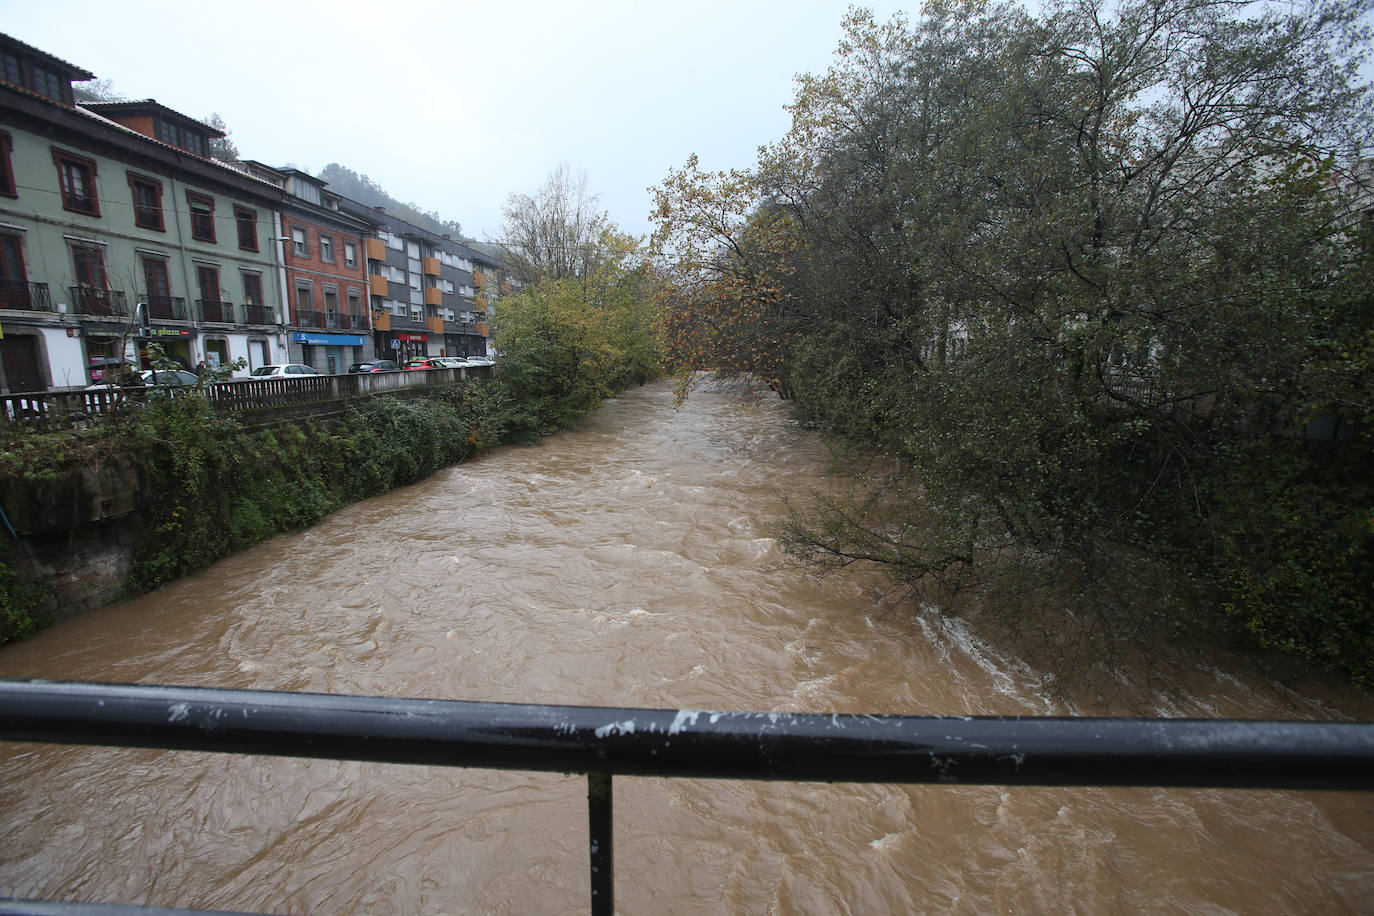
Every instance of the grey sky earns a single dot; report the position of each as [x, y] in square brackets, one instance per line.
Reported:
[456, 105]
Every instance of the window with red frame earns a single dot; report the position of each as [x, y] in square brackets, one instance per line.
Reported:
[77, 178]
[147, 202]
[7, 187]
[202, 216]
[247, 222]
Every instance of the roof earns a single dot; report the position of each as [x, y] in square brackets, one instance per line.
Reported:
[149, 106]
[78, 74]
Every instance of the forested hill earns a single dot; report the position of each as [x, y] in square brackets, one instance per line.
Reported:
[345, 181]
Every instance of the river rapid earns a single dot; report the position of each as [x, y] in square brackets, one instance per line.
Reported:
[627, 562]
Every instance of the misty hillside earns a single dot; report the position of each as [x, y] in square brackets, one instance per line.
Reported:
[345, 181]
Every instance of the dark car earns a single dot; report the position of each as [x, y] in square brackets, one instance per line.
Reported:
[376, 365]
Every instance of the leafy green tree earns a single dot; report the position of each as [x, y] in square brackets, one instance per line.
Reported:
[1082, 279]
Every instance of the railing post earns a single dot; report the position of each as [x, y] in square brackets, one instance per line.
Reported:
[599, 835]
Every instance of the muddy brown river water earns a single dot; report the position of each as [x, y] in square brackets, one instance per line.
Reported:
[625, 563]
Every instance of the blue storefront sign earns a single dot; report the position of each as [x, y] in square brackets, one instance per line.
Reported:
[328, 340]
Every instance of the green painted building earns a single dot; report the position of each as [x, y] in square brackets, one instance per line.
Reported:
[107, 205]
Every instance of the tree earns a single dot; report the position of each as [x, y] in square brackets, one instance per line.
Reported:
[1072, 276]
[554, 233]
[581, 326]
[221, 148]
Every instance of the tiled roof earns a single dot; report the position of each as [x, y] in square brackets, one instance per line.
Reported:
[78, 74]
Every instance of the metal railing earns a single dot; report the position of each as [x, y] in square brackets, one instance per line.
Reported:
[258, 314]
[96, 300]
[57, 411]
[166, 308]
[605, 742]
[215, 310]
[20, 294]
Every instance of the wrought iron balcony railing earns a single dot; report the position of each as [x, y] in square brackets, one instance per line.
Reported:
[32, 297]
[95, 300]
[216, 311]
[259, 314]
[166, 308]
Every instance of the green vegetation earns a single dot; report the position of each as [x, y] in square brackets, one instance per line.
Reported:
[582, 325]
[1080, 281]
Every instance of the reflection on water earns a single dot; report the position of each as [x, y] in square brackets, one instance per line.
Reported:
[625, 563]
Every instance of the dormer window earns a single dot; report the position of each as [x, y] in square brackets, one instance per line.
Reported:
[181, 137]
[45, 82]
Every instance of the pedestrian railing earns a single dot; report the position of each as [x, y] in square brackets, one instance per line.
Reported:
[606, 742]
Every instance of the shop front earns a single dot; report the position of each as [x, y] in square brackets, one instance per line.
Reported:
[175, 344]
[402, 345]
[329, 354]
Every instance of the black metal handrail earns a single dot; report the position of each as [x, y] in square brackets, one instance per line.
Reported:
[603, 742]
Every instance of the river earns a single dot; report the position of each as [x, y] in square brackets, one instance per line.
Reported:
[627, 562]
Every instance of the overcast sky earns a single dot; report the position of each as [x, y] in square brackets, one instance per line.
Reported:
[456, 105]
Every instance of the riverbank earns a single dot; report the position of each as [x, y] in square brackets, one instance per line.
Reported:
[110, 513]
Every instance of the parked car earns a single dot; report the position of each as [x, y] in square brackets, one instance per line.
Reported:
[144, 377]
[169, 377]
[376, 365]
[428, 362]
[480, 361]
[288, 370]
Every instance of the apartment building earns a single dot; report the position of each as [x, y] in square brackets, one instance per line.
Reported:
[429, 293]
[106, 205]
[324, 278]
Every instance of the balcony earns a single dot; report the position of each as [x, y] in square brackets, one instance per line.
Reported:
[375, 249]
[483, 329]
[377, 285]
[479, 305]
[215, 311]
[166, 308]
[337, 321]
[435, 324]
[92, 300]
[434, 295]
[381, 321]
[431, 267]
[479, 280]
[31, 297]
[306, 318]
[259, 314]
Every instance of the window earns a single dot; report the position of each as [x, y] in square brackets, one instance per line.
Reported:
[413, 250]
[155, 281]
[167, 132]
[202, 216]
[45, 82]
[89, 262]
[331, 299]
[147, 202]
[247, 221]
[350, 254]
[326, 249]
[355, 303]
[77, 177]
[299, 245]
[7, 187]
[14, 288]
[10, 70]
[252, 288]
[207, 279]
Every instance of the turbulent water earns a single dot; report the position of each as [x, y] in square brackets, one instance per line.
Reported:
[627, 563]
